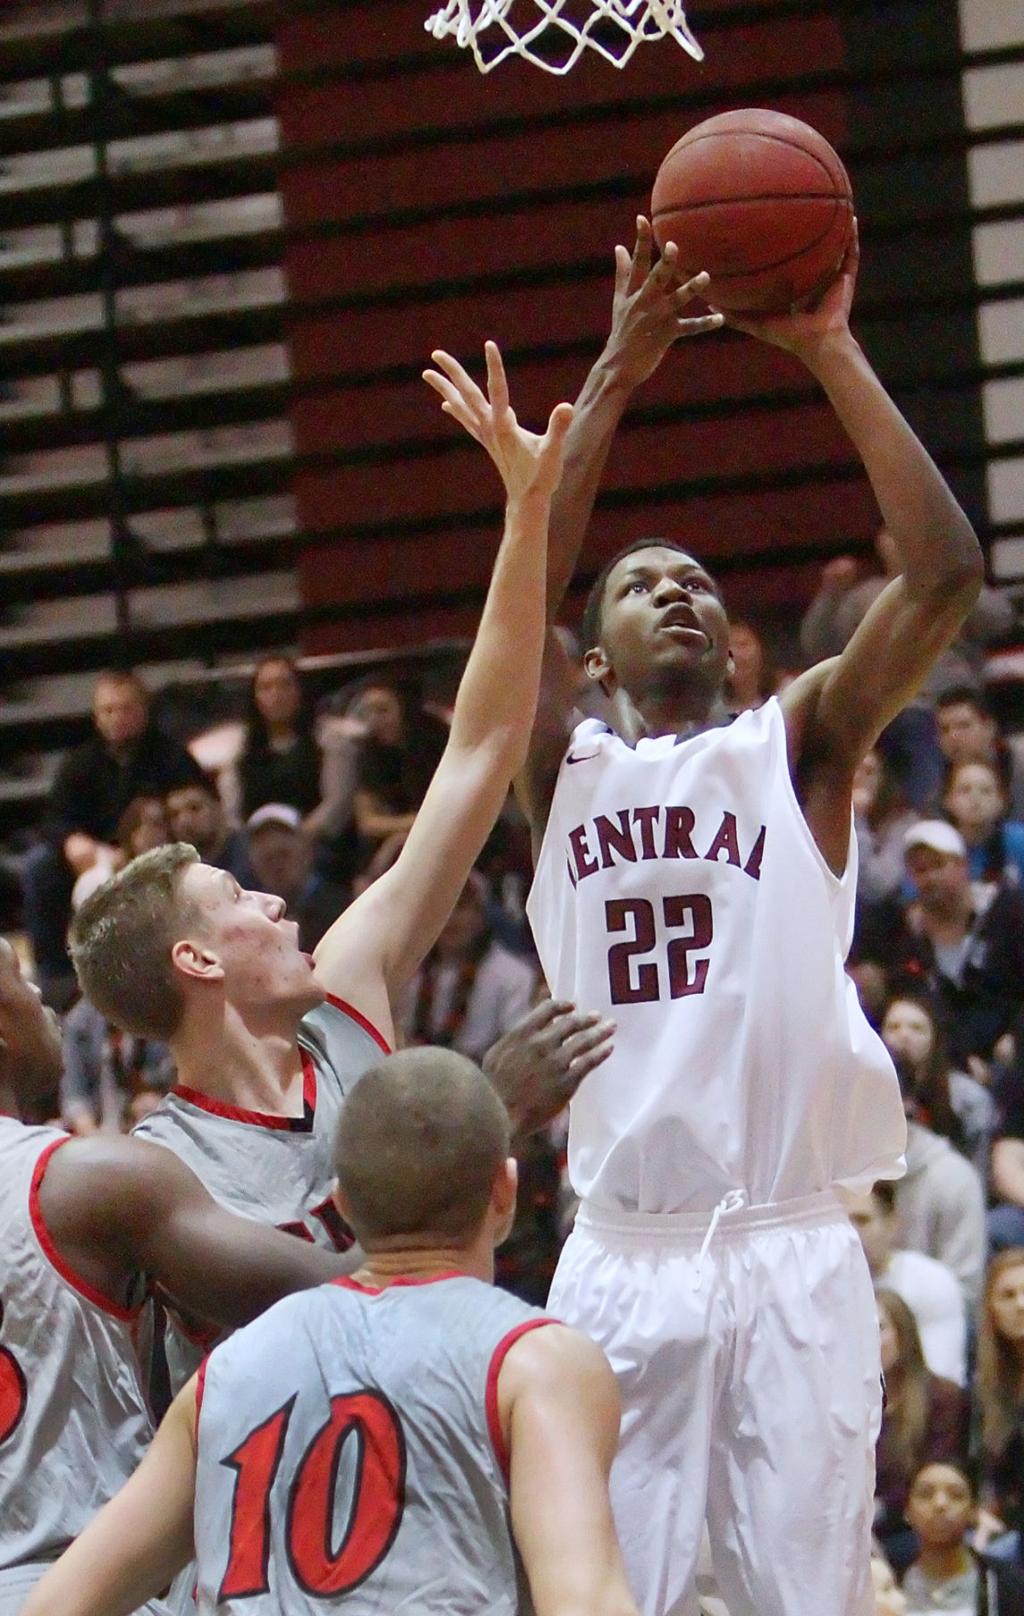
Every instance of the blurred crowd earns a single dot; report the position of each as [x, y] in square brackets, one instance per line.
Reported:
[312, 806]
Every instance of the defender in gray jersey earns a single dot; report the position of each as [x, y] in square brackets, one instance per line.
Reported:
[406, 1440]
[82, 1223]
[254, 1025]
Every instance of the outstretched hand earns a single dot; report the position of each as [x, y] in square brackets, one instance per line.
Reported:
[528, 463]
[802, 331]
[647, 309]
[538, 1065]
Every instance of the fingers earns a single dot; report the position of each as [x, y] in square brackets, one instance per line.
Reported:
[590, 1047]
[571, 1024]
[640, 262]
[461, 378]
[542, 1016]
[699, 323]
[559, 422]
[497, 384]
[696, 286]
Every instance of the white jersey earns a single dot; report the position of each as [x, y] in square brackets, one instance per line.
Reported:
[275, 1169]
[73, 1418]
[679, 890]
[350, 1455]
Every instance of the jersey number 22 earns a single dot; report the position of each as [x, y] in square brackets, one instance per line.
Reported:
[633, 979]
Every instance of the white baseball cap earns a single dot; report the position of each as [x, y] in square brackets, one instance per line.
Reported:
[274, 813]
[939, 835]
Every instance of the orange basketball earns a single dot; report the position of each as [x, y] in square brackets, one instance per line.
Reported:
[762, 202]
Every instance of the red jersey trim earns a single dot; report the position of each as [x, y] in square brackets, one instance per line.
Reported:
[360, 1021]
[129, 1315]
[200, 1390]
[349, 1284]
[498, 1357]
[257, 1119]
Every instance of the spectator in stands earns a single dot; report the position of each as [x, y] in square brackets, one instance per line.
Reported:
[975, 800]
[106, 1071]
[940, 1202]
[1006, 1218]
[142, 826]
[968, 733]
[752, 679]
[881, 819]
[196, 814]
[1000, 1390]
[927, 1286]
[398, 753]
[955, 1572]
[911, 740]
[951, 1103]
[281, 860]
[280, 760]
[969, 958]
[127, 756]
[470, 989]
[925, 1418]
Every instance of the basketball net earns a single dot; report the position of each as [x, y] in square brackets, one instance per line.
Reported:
[561, 29]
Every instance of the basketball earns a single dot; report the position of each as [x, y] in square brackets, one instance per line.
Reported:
[762, 202]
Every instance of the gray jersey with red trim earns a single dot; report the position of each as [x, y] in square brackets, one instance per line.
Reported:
[349, 1450]
[276, 1169]
[73, 1418]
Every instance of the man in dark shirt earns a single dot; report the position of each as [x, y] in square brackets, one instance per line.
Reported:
[970, 957]
[196, 814]
[127, 757]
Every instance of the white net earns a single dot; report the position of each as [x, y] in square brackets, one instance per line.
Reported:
[553, 34]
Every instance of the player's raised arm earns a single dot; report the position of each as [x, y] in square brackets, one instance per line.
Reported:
[380, 940]
[647, 318]
[118, 1205]
[141, 1539]
[836, 711]
[559, 1408]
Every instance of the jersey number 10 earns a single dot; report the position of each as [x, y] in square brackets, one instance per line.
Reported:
[635, 980]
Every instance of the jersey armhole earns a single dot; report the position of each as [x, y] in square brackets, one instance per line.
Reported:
[91, 1293]
[360, 1020]
[498, 1357]
[200, 1389]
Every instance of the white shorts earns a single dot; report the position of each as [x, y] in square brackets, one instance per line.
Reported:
[17, 1582]
[751, 1389]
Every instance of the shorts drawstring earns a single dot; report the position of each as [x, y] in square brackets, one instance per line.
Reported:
[729, 1203]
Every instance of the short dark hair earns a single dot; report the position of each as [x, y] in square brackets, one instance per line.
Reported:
[419, 1141]
[202, 781]
[590, 625]
[964, 696]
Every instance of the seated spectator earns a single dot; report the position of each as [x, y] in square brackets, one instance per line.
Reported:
[911, 741]
[927, 1286]
[944, 1575]
[1000, 1390]
[949, 1102]
[280, 759]
[399, 751]
[107, 1071]
[968, 733]
[925, 1418]
[969, 958]
[128, 756]
[940, 1202]
[881, 819]
[196, 814]
[752, 679]
[1006, 1218]
[975, 800]
[142, 826]
[470, 989]
[281, 860]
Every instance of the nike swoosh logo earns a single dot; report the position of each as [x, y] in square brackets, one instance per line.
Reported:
[586, 758]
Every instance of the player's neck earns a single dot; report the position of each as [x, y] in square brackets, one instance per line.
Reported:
[228, 1061]
[379, 1269]
[9, 1106]
[679, 713]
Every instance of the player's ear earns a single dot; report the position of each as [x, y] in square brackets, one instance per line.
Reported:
[599, 670]
[503, 1198]
[341, 1201]
[194, 960]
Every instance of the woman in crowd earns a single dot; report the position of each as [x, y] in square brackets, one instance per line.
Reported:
[280, 760]
[976, 801]
[142, 826]
[952, 1103]
[1000, 1391]
[881, 816]
[400, 748]
[925, 1419]
[753, 678]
